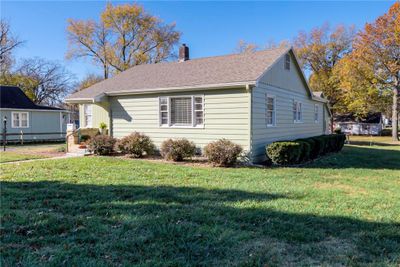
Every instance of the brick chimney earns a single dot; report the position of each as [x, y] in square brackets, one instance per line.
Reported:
[183, 53]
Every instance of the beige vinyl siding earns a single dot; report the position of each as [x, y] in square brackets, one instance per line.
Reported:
[286, 86]
[226, 115]
[100, 113]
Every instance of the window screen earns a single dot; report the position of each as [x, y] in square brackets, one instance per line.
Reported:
[181, 111]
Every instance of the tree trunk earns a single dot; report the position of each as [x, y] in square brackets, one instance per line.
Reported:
[395, 114]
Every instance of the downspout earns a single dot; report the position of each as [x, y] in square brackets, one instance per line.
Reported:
[250, 118]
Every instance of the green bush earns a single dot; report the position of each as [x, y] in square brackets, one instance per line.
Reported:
[136, 145]
[101, 144]
[305, 150]
[222, 152]
[284, 153]
[177, 150]
[386, 132]
[302, 150]
[314, 149]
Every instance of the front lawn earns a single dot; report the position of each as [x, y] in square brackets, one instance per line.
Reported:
[343, 209]
[9, 156]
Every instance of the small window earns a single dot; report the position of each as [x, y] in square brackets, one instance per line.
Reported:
[270, 110]
[20, 120]
[287, 62]
[316, 113]
[181, 111]
[297, 111]
[87, 110]
[164, 111]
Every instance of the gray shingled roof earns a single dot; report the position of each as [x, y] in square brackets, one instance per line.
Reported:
[247, 67]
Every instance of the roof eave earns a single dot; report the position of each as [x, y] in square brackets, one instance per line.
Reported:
[101, 96]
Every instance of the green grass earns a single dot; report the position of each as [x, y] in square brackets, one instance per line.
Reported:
[341, 210]
[9, 156]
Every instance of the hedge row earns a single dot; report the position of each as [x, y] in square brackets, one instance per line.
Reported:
[303, 150]
[220, 153]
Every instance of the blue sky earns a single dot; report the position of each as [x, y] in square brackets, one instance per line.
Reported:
[209, 28]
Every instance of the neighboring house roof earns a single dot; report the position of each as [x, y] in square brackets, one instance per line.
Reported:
[352, 118]
[229, 69]
[12, 97]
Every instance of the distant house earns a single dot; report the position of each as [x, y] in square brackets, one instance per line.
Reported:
[251, 99]
[25, 119]
[372, 124]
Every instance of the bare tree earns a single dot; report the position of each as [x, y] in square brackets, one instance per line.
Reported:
[45, 82]
[8, 43]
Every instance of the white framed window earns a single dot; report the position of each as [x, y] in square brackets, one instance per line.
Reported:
[20, 120]
[297, 111]
[270, 110]
[87, 113]
[316, 113]
[181, 111]
[287, 62]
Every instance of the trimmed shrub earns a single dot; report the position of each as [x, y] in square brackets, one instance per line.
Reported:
[284, 153]
[177, 150]
[101, 144]
[222, 152]
[386, 132]
[136, 145]
[314, 149]
[305, 151]
[321, 143]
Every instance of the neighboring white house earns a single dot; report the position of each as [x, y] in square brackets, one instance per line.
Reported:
[251, 99]
[371, 124]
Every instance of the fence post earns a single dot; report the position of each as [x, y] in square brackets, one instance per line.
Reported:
[22, 137]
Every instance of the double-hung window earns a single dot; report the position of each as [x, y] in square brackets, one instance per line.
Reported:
[297, 111]
[270, 110]
[87, 110]
[20, 120]
[185, 111]
[316, 113]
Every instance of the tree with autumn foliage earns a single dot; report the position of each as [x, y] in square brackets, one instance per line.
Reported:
[125, 36]
[319, 52]
[376, 58]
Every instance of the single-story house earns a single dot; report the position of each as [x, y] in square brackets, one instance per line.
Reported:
[251, 99]
[28, 121]
[371, 124]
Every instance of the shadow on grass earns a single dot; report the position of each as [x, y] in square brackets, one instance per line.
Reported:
[52, 223]
[360, 157]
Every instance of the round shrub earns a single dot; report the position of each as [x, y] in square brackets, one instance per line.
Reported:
[85, 138]
[222, 152]
[136, 144]
[101, 144]
[284, 153]
[178, 149]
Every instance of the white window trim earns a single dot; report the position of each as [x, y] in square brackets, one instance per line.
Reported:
[169, 125]
[298, 103]
[19, 121]
[316, 112]
[274, 111]
[84, 116]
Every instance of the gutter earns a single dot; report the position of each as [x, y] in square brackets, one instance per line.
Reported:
[162, 90]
